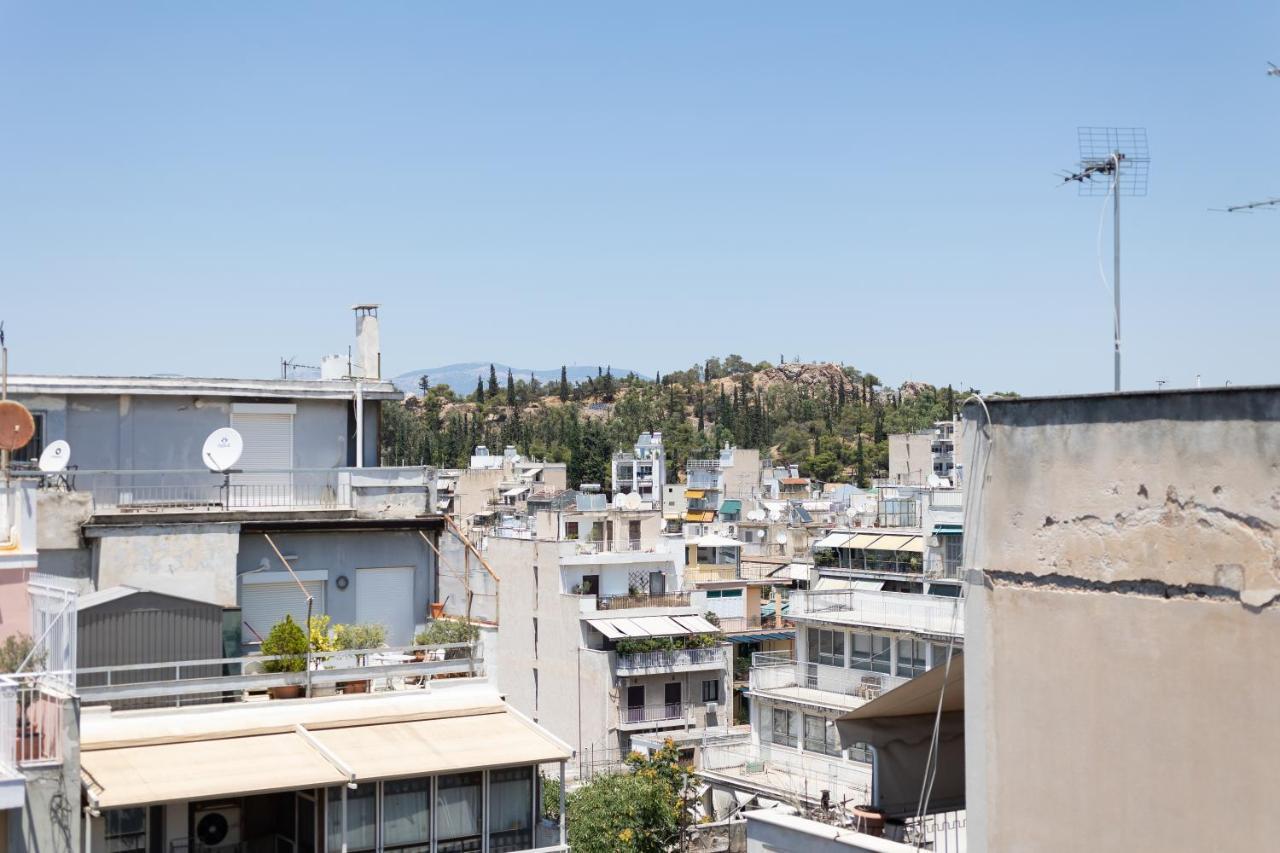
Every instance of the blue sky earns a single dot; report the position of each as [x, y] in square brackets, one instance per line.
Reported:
[204, 188]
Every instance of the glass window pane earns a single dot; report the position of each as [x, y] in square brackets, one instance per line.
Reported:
[362, 804]
[406, 815]
[510, 809]
[459, 815]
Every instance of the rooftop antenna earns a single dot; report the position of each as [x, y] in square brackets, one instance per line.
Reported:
[1113, 161]
[1273, 70]
[1265, 204]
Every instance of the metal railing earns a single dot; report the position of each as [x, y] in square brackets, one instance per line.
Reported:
[52, 602]
[739, 624]
[629, 602]
[905, 611]
[701, 573]
[30, 721]
[671, 658]
[773, 673]
[223, 679]
[943, 832]
[663, 713]
[195, 490]
[802, 775]
[939, 566]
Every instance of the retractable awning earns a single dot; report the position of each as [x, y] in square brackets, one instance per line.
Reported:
[651, 626]
[862, 540]
[834, 540]
[696, 494]
[731, 507]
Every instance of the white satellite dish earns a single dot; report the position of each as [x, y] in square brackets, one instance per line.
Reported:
[760, 535]
[781, 539]
[631, 500]
[55, 457]
[222, 449]
[934, 481]
[756, 515]
[774, 515]
[851, 511]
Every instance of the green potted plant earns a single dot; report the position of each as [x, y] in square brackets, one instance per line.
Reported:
[288, 644]
[444, 631]
[359, 639]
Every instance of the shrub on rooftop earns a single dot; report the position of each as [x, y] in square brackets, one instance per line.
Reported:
[286, 641]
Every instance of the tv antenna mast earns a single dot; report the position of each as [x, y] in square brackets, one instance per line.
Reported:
[1114, 162]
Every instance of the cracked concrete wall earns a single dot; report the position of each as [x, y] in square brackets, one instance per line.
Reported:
[1124, 606]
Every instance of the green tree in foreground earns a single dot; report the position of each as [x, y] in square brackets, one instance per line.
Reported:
[644, 811]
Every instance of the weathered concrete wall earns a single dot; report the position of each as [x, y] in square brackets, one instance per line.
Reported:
[1122, 615]
[910, 458]
[51, 820]
[191, 560]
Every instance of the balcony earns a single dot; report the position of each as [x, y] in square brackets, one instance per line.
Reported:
[796, 680]
[743, 624]
[673, 660]
[31, 723]
[707, 573]
[632, 602]
[202, 491]
[923, 614]
[634, 717]
[787, 772]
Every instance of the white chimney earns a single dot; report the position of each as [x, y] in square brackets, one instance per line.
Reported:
[367, 361]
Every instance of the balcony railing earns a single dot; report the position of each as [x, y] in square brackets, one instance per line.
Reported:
[739, 624]
[630, 602]
[802, 774]
[772, 672]
[938, 566]
[664, 713]
[197, 490]
[904, 611]
[614, 546]
[671, 659]
[30, 721]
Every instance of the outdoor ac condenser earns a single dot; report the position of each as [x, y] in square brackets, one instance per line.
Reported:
[217, 825]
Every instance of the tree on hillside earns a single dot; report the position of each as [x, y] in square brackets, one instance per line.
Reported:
[424, 384]
[479, 395]
[564, 384]
[511, 389]
[493, 383]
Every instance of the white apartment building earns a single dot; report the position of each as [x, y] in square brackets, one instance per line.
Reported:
[597, 641]
[643, 470]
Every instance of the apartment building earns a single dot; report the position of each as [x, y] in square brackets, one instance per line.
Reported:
[643, 470]
[597, 640]
[934, 452]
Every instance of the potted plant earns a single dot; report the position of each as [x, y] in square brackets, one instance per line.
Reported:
[288, 645]
[359, 639]
[445, 631]
[13, 652]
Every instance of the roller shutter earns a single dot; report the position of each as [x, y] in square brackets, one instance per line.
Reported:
[264, 604]
[385, 597]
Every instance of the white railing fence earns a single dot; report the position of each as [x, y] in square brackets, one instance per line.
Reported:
[859, 683]
[933, 614]
[671, 658]
[52, 601]
[803, 775]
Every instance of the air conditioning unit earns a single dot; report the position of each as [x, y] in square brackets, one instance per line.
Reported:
[217, 825]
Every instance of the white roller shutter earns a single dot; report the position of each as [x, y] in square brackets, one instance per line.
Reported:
[385, 597]
[262, 605]
[268, 447]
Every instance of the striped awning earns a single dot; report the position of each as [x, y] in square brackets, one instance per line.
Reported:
[620, 628]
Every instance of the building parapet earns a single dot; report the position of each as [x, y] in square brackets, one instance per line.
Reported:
[943, 616]
[770, 671]
[672, 660]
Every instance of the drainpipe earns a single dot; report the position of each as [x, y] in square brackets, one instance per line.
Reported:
[563, 837]
[359, 424]
[875, 776]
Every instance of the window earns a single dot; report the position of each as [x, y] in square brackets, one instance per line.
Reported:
[938, 654]
[711, 690]
[870, 652]
[910, 658]
[510, 809]
[826, 647]
[782, 731]
[126, 830]
[571, 530]
[724, 593]
[459, 813]
[820, 737]
[30, 452]
[362, 820]
[535, 637]
[406, 815]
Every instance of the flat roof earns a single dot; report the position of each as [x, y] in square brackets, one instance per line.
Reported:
[170, 386]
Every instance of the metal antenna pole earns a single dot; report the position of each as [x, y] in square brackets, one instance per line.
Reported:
[1113, 160]
[1116, 183]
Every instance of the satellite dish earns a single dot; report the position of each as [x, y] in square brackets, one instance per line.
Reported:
[756, 515]
[760, 535]
[16, 425]
[934, 481]
[781, 539]
[631, 500]
[55, 457]
[851, 512]
[774, 515]
[222, 449]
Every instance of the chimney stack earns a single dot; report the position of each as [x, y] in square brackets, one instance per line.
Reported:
[368, 356]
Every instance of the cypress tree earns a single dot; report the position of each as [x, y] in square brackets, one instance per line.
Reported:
[479, 390]
[564, 384]
[493, 382]
[511, 389]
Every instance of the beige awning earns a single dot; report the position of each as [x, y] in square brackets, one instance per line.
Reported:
[834, 540]
[651, 626]
[919, 695]
[696, 494]
[447, 745]
[205, 769]
[911, 543]
[862, 540]
[826, 583]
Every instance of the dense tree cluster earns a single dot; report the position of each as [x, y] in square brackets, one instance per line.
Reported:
[836, 431]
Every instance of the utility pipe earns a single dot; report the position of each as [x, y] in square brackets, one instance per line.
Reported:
[359, 424]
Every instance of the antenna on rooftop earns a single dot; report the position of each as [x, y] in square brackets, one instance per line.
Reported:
[1113, 162]
[1265, 204]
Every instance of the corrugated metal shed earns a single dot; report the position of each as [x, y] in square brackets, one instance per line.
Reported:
[121, 626]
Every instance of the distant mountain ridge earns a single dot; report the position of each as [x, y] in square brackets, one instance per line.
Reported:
[462, 377]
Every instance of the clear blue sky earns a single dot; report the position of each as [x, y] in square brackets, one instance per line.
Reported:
[204, 188]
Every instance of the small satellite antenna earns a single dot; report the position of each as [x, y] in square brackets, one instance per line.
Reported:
[16, 425]
[222, 450]
[631, 500]
[1113, 162]
[760, 535]
[781, 539]
[774, 515]
[55, 457]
